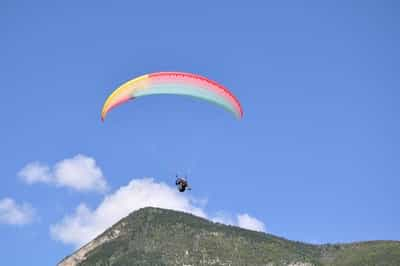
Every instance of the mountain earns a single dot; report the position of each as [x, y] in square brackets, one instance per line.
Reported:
[152, 236]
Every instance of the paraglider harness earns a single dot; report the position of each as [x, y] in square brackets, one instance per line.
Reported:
[182, 184]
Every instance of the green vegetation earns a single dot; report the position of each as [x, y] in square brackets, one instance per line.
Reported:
[152, 236]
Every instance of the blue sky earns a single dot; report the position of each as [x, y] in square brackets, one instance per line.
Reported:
[315, 157]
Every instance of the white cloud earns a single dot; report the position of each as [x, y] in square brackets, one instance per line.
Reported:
[35, 172]
[251, 223]
[80, 173]
[85, 223]
[223, 218]
[241, 220]
[15, 214]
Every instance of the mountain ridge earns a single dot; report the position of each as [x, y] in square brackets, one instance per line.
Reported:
[154, 236]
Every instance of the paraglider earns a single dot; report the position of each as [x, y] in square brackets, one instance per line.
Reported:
[182, 184]
[177, 83]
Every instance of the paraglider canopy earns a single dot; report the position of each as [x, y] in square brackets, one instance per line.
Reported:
[177, 83]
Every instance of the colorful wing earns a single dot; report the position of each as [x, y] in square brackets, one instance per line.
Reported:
[177, 83]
